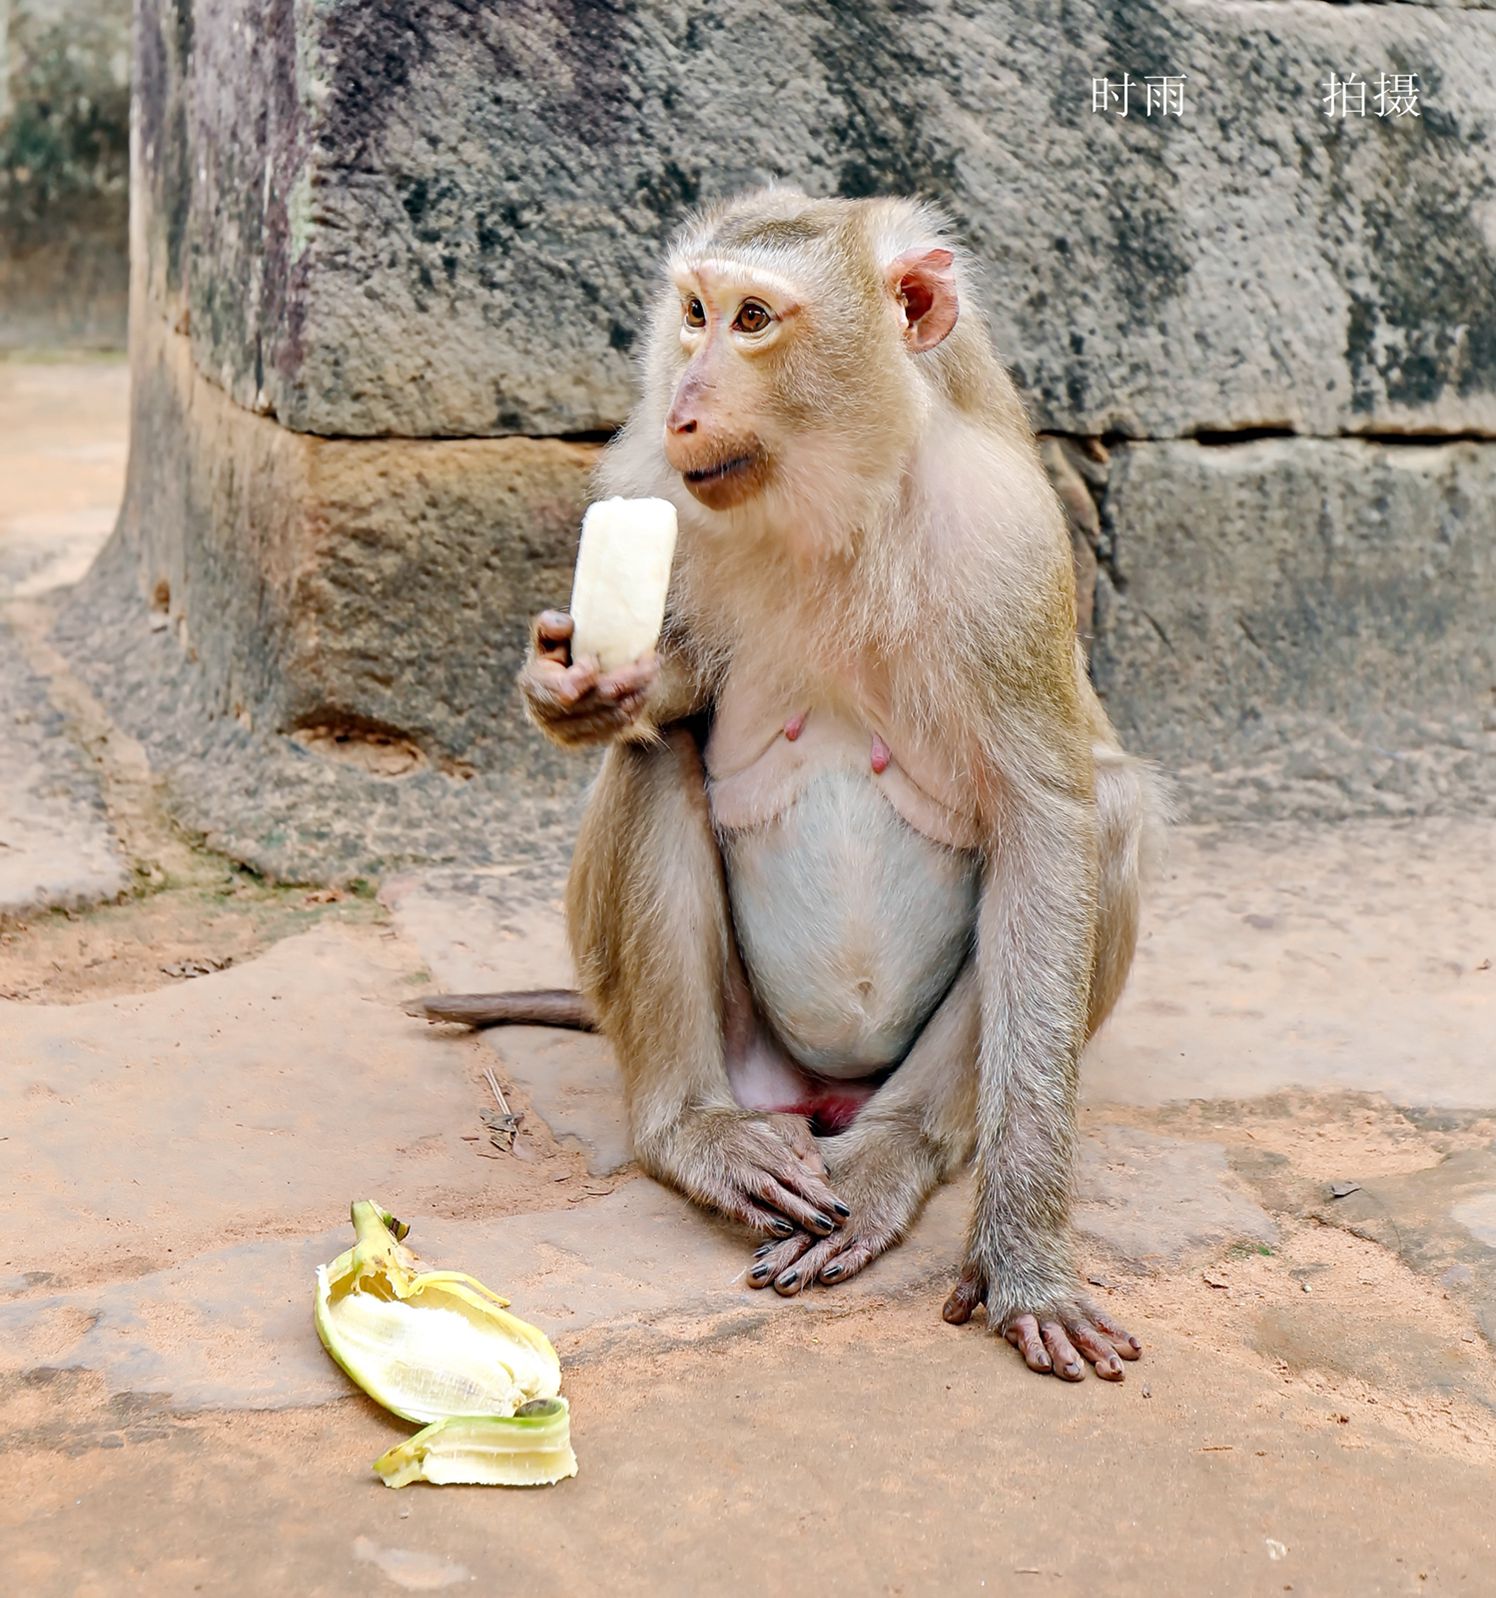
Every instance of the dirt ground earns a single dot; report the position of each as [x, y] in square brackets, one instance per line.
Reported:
[1288, 1190]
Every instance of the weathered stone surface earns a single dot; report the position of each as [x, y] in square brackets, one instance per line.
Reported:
[64, 170]
[1352, 958]
[264, 1097]
[1304, 627]
[640, 1268]
[1160, 1200]
[317, 639]
[443, 219]
[482, 932]
[1441, 1222]
[348, 586]
[57, 848]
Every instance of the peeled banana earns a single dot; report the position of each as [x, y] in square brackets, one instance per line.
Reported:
[529, 1449]
[622, 579]
[429, 1345]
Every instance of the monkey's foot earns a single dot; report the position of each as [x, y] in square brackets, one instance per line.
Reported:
[1054, 1339]
[798, 1261]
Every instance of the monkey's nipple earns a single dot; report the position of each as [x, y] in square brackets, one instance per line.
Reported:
[882, 755]
[795, 725]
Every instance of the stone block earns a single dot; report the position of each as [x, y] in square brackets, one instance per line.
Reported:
[436, 218]
[366, 597]
[1304, 626]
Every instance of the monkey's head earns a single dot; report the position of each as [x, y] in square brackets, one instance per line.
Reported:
[793, 351]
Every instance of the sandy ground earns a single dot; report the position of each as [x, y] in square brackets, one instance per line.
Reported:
[198, 1077]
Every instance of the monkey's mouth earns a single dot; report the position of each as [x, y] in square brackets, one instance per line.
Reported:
[728, 483]
[721, 472]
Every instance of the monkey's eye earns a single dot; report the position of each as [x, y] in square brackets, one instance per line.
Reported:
[695, 313]
[752, 317]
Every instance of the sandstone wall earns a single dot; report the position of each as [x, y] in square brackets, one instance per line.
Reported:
[1263, 342]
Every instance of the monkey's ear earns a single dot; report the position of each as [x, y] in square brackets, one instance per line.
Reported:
[924, 284]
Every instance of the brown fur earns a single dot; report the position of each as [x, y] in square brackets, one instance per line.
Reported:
[897, 517]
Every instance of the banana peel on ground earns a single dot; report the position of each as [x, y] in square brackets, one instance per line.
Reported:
[531, 1448]
[440, 1348]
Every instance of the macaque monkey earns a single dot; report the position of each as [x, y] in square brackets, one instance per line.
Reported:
[860, 874]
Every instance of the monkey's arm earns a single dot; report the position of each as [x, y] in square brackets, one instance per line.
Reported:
[652, 939]
[1036, 935]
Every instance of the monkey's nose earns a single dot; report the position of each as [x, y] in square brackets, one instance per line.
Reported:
[680, 421]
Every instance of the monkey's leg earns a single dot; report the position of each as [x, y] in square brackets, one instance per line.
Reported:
[1128, 821]
[652, 939]
[914, 1132]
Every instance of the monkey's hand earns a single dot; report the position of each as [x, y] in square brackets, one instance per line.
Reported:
[886, 1176]
[763, 1170]
[570, 701]
[1052, 1332]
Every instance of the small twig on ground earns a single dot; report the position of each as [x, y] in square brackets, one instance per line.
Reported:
[502, 1125]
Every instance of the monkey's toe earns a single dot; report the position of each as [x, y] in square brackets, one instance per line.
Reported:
[969, 1291]
[1065, 1343]
[1023, 1334]
[803, 1261]
[772, 1261]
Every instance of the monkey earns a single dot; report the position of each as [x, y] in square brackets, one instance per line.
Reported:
[860, 873]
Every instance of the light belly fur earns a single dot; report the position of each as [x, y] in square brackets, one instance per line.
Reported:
[852, 925]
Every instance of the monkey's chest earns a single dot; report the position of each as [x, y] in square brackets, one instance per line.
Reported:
[851, 923]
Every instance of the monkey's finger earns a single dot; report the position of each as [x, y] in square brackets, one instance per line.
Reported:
[806, 1184]
[1125, 1343]
[631, 680]
[757, 1217]
[968, 1292]
[554, 682]
[550, 635]
[1096, 1349]
[778, 1196]
[1023, 1334]
[1067, 1363]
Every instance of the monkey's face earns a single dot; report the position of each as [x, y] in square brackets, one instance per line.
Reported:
[785, 368]
[736, 326]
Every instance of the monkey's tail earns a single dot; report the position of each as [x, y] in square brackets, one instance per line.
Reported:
[540, 1007]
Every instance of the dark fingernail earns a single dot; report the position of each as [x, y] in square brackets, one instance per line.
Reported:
[789, 1279]
[823, 1223]
[761, 1250]
[1072, 1370]
[759, 1273]
[841, 1209]
[1132, 1342]
[780, 1228]
[1044, 1364]
[831, 1272]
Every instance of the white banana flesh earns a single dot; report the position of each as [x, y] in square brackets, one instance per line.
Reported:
[622, 579]
[424, 1360]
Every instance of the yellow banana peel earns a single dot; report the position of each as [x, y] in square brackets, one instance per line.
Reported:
[529, 1449]
[429, 1345]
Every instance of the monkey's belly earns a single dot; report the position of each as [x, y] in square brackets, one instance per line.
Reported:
[852, 925]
